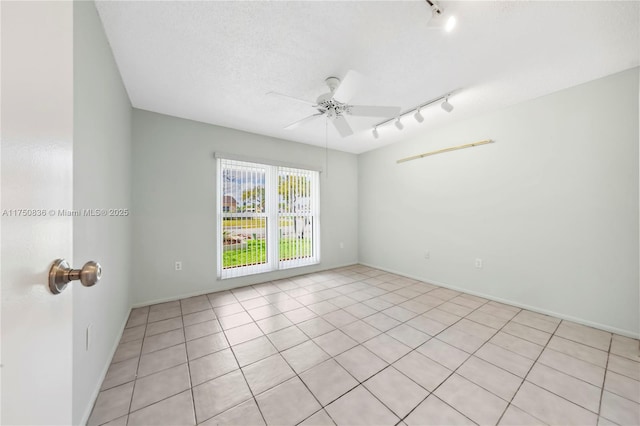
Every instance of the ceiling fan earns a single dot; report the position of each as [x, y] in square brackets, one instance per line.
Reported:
[334, 105]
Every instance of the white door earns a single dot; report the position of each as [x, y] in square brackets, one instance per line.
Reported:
[36, 180]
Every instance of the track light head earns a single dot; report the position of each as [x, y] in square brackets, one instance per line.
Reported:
[396, 118]
[440, 18]
[446, 105]
[435, 7]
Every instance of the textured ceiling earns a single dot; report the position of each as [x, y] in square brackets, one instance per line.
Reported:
[214, 61]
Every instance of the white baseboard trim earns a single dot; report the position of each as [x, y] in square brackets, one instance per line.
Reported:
[622, 332]
[231, 286]
[96, 391]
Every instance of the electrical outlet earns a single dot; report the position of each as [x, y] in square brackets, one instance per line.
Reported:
[479, 263]
[88, 337]
[178, 266]
[427, 255]
[341, 245]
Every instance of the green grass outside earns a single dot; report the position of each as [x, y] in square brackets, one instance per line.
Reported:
[256, 252]
[245, 223]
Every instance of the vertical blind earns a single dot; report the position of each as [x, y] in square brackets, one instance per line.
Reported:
[296, 214]
[268, 218]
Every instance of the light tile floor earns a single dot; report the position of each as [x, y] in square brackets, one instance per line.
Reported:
[357, 345]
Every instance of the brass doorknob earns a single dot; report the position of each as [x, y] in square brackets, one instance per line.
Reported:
[61, 274]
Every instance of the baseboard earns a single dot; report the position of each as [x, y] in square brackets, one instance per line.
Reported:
[622, 332]
[96, 391]
[231, 286]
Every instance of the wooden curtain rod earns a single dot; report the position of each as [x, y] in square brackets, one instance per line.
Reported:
[440, 151]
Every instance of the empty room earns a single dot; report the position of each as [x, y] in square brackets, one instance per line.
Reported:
[320, 213]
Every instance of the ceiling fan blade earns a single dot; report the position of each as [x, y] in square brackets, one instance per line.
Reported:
[373, 111]
[291, 98]
[304, 120]
[348, 86]
[342, 126]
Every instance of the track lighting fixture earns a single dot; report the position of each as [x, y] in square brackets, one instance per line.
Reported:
[446, 105]
[435, 7]
[416, 112]
[440, 18]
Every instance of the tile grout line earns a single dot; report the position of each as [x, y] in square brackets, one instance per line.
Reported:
[472, 354]
[454, 370]
[381, 332]
[585, 344]
[135, 379]
[239, 368]
[338, 328]
[163, 369]
[359, 383]
[279, 352]
[412, 350]
[524, 379]
[606, 371]
[297, 375]
[136, 374]
[183, 329]
[568, 374]
[551, 335]
[186, 353]
[378, 310]
[322, 407]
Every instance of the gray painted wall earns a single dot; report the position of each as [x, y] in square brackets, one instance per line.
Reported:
[174, 203]
[551, 208]
[102, 180]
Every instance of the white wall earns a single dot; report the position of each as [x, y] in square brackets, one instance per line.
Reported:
[551, 208]
[174, 202]
[102, 180]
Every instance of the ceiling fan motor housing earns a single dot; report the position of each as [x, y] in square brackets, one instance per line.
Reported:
[333, 108]
[327, 105]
